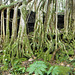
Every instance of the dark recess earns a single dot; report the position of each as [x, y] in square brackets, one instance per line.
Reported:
[60, 21]
[30, 23]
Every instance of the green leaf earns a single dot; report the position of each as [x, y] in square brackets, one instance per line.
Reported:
[37, 67]
[42, 69]
[43, 65]
[71, 52]
[30, 70]
[39, 72]
[36, 73]
[58, 70]
[50, 70]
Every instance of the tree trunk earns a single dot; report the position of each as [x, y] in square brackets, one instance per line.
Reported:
[74, 16]
[66, 18]
[56, 22]
[7, 24]
[2, 24]
[14, 23]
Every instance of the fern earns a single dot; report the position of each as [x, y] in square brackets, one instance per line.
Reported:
[58, 70]
[37, 67]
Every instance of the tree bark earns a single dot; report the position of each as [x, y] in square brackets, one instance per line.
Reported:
[74, 16]
[2, 24]
[14, 23]
[56, 22]
[7, 24]
[66, 18]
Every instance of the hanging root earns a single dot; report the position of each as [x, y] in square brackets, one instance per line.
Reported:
[54, 53]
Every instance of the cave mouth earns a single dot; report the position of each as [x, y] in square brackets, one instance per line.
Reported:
[60, 22]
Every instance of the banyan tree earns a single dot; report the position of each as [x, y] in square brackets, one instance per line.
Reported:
[29, 28]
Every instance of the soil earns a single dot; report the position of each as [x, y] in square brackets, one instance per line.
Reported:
[31, 60]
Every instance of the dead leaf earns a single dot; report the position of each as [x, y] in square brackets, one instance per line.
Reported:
[31, 59]
[62, 64]
[26, 74]
[68, 65]
[70, 58]
[74, 69]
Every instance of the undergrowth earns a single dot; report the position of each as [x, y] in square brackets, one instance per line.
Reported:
[44, 42]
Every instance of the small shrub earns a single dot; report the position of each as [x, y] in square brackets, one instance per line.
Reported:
[38, 67]
[58, 70]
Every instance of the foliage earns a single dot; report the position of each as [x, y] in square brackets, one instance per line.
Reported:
[58, 70]
[67, 44]
[6, 61]
[17, 68]
[72, 62]
[41, 43]
[38, 67]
